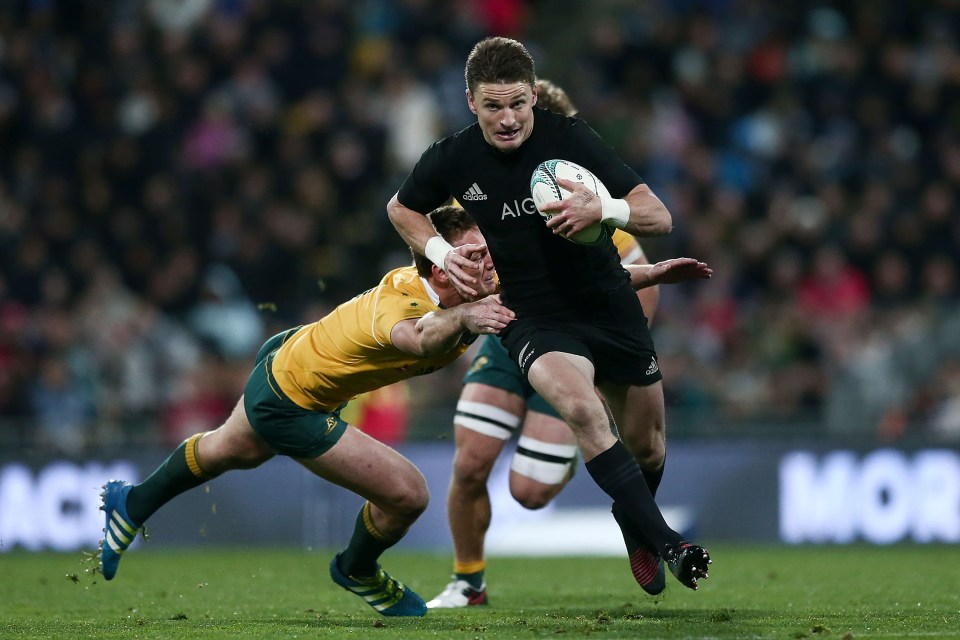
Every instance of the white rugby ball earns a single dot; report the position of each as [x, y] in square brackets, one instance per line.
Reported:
[544, 188]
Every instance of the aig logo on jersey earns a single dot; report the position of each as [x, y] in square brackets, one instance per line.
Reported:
[474, 194]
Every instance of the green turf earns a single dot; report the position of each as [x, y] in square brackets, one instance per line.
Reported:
[770, 592]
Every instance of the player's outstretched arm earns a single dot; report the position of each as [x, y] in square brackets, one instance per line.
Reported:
[462, 264]
[669, 271]
[439, 331]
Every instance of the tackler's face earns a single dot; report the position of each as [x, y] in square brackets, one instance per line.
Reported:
[505, 113]
[487, 275]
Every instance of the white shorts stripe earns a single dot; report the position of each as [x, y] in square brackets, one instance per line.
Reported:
[559, 450]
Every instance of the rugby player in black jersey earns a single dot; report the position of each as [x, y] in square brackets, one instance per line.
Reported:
[495, 404]
[579, 325]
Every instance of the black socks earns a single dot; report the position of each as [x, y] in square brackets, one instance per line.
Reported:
[619, 475]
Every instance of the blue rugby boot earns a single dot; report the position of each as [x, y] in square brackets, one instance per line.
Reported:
[388, 596]
[119, 531]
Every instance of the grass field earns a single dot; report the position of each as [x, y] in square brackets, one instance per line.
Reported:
[769, 592]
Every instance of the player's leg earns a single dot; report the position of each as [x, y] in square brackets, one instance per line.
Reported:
[199, 458]
[396, 494]
[639, 413]
[545, 458]
[641, 423]
[234, 445]
[565, 380]
[489, 411]
[486, 418]
[643, 435]
[627, 364]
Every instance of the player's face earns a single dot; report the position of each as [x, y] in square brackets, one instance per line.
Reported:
[504, 112]
[488, 277]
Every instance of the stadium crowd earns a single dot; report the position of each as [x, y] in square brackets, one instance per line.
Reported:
[180, 179]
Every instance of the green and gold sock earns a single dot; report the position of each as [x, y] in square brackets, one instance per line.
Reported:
[471, 572]
[180, 472]
[367, 544]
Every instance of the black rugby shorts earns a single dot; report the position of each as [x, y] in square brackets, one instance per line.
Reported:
[611, 332]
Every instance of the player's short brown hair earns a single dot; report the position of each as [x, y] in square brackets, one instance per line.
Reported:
[499, 60]
[450, 222]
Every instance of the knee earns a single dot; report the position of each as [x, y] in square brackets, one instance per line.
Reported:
[583, 413]
[411, 498]
[531, 497]
[533, 481]
[470, 472]
[649, 451]
[248, 458]
[221, 452]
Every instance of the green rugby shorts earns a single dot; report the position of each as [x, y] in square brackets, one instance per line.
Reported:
[289, 429]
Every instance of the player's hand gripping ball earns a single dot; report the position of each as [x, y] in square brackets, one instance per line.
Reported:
[544, 188]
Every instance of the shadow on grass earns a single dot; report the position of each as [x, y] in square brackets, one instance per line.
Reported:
[478, 620]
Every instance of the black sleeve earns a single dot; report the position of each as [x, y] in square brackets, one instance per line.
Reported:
[423, 190]
[600, 157]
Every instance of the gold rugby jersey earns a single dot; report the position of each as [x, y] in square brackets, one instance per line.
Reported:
[627, 246]
[349, 352]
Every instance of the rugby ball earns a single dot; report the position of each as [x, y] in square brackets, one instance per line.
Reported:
[544, 188]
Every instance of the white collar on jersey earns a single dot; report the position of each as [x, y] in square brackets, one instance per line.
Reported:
[430, 292]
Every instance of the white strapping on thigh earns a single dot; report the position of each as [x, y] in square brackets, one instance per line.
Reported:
[567, 451]
[486, 419]
[543, 461]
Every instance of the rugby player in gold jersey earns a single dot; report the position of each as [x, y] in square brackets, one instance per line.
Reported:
[412, 323]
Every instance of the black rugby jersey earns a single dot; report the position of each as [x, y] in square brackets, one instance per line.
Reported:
[539, 272]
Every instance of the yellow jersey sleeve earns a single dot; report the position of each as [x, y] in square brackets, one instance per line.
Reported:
[627, 246]
[349, 351]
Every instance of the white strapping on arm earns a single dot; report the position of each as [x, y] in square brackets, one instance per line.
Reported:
[615, 211]
[437, 249]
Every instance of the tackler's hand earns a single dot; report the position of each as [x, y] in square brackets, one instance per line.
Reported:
[487, 315]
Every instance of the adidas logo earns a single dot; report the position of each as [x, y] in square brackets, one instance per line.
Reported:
[653, 368]
[474, 193]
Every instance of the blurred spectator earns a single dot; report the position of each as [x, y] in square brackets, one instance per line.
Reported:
[63, 408]
[834, 290]
[226, 317]
[945, 403]
[199, 401]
